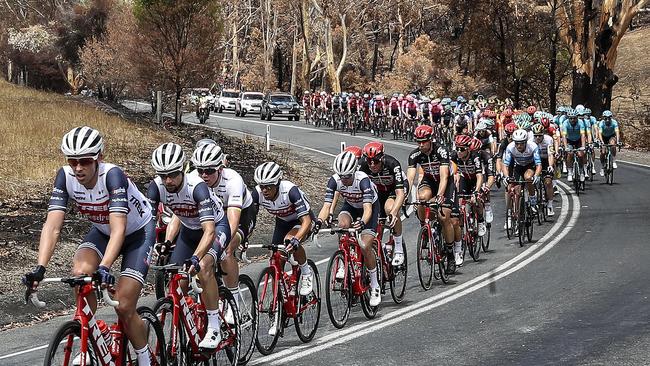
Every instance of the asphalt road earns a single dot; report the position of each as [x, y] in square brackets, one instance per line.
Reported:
[577, 295]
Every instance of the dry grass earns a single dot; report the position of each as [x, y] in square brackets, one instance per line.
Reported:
[32, 124]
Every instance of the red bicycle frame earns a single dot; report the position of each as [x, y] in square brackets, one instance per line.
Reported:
[347, 242]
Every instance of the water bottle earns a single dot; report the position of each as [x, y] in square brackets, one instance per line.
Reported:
[106, 333]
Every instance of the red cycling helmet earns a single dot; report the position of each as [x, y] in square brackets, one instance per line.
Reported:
[510, 128]
[423, 133]
[531, 109]
[475, 144]
[507, 113]
[545, 121]
[356, 150]
[373, 150]
[463, 141]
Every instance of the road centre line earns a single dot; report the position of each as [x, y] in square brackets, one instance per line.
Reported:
[445, 297]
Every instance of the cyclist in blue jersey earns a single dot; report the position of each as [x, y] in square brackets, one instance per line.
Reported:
[574, 139]
[587, 122]
[608, 133]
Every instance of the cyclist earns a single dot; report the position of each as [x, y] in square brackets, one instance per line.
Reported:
[574, 138]
[121, 225]
[425, 110]
[203, 232]
[360, 211]
[546, 147]
[293, 216]
[231, 190]
[433, 159]
[487, 150]
[608, 133]
[524, 158]
[468, 177]
[378, 109]
[386, 173]
[587, 123]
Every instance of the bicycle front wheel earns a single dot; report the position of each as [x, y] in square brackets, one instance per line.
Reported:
[176, 347]
[485, 243]
[65, 346]
[229, 347]
[308, 317]
[338, 296]
[425, 255]
[398, 282]
[370, 311]
[155, 336]
[269, 310]
[248, 316]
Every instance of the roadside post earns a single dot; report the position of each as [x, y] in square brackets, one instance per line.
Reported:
[268, 137]
[342, 146]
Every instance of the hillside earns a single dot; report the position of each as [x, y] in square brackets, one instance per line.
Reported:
[631, 97]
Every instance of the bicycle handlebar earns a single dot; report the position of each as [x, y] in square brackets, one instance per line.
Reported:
[73, 281]
[175, 268]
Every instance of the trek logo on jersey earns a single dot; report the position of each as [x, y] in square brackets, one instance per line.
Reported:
[137, 204]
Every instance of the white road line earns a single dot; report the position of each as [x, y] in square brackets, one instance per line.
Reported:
[23, 352]
[633, 163]
[422, 306]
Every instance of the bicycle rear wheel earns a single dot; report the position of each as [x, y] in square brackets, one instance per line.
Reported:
[443, 263]
[248, 315]
[425, 254]
[66, 345]
[269, 311]
[307, 320]
[230, 345]
[509, 231]
[398, 282]
[338, 296]
[521, 219]
[485, 242]
[529, 224]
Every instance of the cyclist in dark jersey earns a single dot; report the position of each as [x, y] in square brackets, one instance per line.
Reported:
[387, 175]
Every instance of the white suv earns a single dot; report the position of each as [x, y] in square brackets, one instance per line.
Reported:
[227, 100]
[248, 102]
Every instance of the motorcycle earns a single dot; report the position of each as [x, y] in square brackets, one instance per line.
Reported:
[203, 112]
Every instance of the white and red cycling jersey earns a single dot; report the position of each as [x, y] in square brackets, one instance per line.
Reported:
[435, 109]
[353, 104]
[394, 107]
[326, 102]
[306, 99]
[378, 107]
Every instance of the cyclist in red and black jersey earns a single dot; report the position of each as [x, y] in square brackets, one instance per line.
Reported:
[433, 159]
[411, 109]
[469, 176]
[387, 175]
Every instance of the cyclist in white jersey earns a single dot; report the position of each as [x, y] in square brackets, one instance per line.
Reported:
[121, 225]
[229, 186]
[293, 215]
[204, 231]
[360, 210]
[522, 156]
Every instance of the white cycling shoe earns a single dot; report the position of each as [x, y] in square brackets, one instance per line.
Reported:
[306, 286]
[458, 254]
[489, 216]
[549, 209]
[375, 297]
[602, 172]
[482, 229]
[211, 339]
[229, 317]
[614, 165]
[569, 177]
[398, 259]
[77, 360]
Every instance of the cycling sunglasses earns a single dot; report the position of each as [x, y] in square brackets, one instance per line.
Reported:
[461, 149]
[172, 175]
[347, 176]
[81, 161]
[208, 171]
[373, 161]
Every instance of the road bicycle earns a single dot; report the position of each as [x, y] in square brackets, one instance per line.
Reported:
[348, 281]
[432, 253]
[472, 242]
[609, 162]
[394, 276]
[542, 199]
[589, 167]
[87, 340]
[522, 217]
[280, 302]
[185, 322]
[578, 185]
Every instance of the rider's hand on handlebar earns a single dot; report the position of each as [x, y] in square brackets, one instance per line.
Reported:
[104, 276]
[391, 220]
[164, 248]
[358, 225]
[439, 199]
[536, 179]
[550, 169]
[292, 244]
[192, 265]
[31, 279]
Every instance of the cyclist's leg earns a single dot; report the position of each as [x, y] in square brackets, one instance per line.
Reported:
[87, 258]
[135, 253]
[425, 193]
[229, 262]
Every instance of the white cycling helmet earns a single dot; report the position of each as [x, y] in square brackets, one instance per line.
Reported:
[82, 141]
[520, 135]
[482, 125]
[268, 173]
[208, 156]
[168, 158]
[205, 141]
[345, 163]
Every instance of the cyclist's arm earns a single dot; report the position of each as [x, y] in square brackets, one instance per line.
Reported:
[173, 228]
[444, 177]
[538, 162]
[118, 207]
[400, 194]
[618, 133]
[206, 216]
[50, 236]
[410, 176]
[330, 195]
[305, 227]
[479, 182]
[234, 215]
